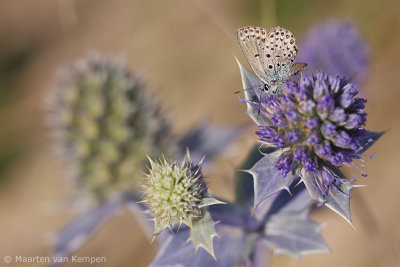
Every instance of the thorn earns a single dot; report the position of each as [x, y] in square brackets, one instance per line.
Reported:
[212, 254]
[298, 183]
[187, 156]
[290, 193]
[201, 161]
[189, 225]
[352, 226]
[254, 209]
[359, 185]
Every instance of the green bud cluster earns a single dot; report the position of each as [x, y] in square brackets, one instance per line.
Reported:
[174, 192]
[106, 122]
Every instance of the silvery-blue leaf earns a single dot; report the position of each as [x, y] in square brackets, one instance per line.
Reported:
[267, 179]
[252, 86]
[244, 187]
[298, 201]
[287, 228]
[203, 232]
[208, 140]
[231, 249]
[294, 234]
[337, 200]
[77, 232]
[369, 139]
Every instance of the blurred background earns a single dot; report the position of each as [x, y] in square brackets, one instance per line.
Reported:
[186, 48]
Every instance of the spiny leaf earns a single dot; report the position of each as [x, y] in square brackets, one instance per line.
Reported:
[244, 191]
[203, 232]
[252, 86]
[297, 202]
[267, 179]
[295, 235]
[337, 200]
[287, 228]
[231, 249]
[369, 139]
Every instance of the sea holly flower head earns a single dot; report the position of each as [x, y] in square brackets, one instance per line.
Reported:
[175, 193]
[105, 122]
[318, 123]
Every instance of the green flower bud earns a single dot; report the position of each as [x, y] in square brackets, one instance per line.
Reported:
[174, 192]
[106, 122]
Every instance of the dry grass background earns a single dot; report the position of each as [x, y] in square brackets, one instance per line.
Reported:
[186, 48]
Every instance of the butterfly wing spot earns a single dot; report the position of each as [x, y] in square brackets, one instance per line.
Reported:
[256, 55]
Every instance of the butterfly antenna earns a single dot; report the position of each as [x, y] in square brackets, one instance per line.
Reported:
[256, 87]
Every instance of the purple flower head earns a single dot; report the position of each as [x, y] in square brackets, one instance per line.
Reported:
[315, 126]
[336, 47]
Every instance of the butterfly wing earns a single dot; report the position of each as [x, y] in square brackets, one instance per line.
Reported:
[252, 42]
[270, 54]
[282, 49]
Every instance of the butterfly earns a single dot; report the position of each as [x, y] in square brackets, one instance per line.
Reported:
[271, 55]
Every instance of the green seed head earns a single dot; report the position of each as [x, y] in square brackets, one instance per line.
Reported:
[173, 192]
[106, 123]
